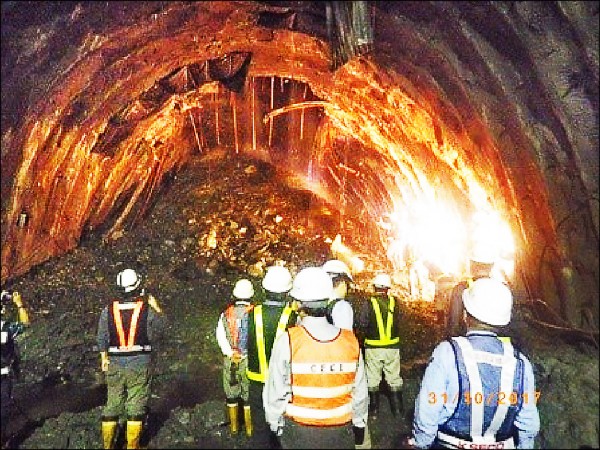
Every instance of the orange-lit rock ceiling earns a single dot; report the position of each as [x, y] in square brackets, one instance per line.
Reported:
[461, 106]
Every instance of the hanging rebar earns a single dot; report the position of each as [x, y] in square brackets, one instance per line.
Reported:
[217, 117]
[271, 121]
[195, 131]
[253, 123]
[303, 105]
[235, 127]
[302, 113]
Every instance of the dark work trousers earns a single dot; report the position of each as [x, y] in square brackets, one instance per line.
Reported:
[302, 436]
[261, 435]
[6, 404]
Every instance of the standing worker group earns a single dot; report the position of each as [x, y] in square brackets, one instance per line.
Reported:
[128, 329]
[316, 392]
[232, 337]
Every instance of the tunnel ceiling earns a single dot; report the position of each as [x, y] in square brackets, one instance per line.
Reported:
[471, 106]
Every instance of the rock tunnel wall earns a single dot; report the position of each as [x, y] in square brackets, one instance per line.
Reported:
[488, 103]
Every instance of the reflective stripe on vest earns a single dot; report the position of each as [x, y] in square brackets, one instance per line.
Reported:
[385, 333]
[508, 363]
[127, 345]
[448, 441]
[6, 341]
[263, 364]
[322, 378]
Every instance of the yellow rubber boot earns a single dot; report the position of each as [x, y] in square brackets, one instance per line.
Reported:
[232, 410]
[248, 420]
[134, 432]
[109, 431]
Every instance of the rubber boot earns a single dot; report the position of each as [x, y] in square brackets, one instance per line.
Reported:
[274, 443]
[374, 404]
[109, 432]
[248, 420]
[134, 433]
[232, 410]
[396, 403]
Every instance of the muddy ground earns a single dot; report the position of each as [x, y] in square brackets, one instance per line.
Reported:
[218, 219]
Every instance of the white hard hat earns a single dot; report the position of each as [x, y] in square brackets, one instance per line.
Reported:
[312, 284]
[337, 267]
[278, 279]
[128, 280]
[382, 280]
[243, 289]
[6, 297]
[489, 301]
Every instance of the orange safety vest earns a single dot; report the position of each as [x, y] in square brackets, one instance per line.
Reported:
[127, 345]
[322, 374]
[232, 315]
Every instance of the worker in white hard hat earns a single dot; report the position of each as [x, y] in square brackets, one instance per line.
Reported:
[232, 337]
[481, 263]
[478, 391]
[380, 320]
[316, 392]
[267, 321]
[340, 312]
[128, 328]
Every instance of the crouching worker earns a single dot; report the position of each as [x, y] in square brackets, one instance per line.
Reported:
[128, 328]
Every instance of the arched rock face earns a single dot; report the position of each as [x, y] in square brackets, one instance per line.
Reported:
[461, 107]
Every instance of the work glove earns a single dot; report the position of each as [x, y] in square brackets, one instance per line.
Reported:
[18, 301]
[154, 303]
[104, 361]
[236, 357]
[407, 442]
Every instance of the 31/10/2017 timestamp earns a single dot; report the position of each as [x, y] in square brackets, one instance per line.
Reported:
[500, 398]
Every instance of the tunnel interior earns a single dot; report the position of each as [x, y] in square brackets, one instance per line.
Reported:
[396, 136]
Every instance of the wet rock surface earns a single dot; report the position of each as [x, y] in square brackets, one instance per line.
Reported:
[220, 219]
